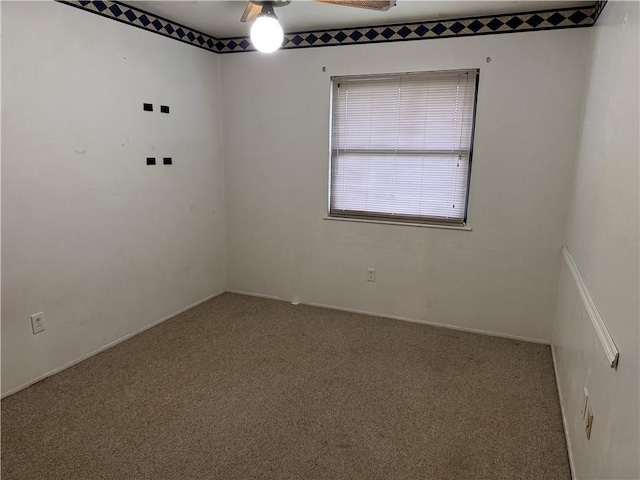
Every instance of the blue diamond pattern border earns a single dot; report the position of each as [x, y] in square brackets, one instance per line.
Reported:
[460, 27]
[457, 27]
[147, 21]
[598, 7]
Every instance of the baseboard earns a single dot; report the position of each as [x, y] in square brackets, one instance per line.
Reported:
[565, 425]
[431, 324]
[109, 345]
[405, 319]
[259, 295]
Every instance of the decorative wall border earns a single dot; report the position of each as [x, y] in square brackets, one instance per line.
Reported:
[598, 7]
[455, 27]
[136, 17]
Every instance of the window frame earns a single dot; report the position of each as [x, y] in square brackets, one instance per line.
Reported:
[400, 219]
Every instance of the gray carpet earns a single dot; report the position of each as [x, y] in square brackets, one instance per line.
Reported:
[247, 388]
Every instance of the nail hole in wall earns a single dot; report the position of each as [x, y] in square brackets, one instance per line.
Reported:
[151, 161]
[164, 108]
[147, 107]
[167, 160]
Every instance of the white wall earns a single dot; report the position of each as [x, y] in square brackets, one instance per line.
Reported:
[603, 238]
[100, 242]
[501, 277]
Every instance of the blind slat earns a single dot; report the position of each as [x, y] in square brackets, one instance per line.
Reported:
[401, 145]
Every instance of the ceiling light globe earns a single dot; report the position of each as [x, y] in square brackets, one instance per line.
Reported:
[266, 34]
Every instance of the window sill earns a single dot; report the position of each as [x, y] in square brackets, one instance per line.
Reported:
[465, 228]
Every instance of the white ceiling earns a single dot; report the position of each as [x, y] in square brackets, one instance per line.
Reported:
[222, 18]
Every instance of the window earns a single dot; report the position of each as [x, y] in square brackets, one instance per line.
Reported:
[401, 146]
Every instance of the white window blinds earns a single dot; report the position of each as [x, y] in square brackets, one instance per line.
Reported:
[401, 146]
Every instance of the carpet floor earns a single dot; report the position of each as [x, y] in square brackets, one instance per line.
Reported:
[249, 388]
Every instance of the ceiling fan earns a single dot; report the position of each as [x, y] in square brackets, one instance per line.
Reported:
[266, 32]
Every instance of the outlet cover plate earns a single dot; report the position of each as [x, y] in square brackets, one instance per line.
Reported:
[37, 323]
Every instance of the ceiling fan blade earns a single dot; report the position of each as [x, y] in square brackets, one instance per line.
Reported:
[370, 4]
[251, 12]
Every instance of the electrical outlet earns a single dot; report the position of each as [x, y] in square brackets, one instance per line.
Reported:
[37, 323]
[371, 274]
[585, 402]
[588, 423]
